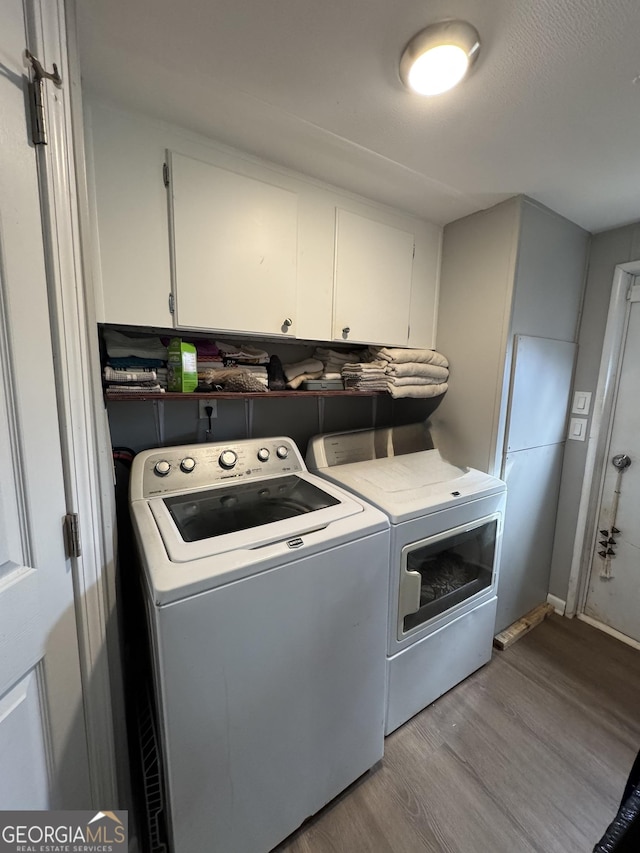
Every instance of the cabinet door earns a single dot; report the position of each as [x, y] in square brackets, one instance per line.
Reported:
[373, 268]
[234, 250]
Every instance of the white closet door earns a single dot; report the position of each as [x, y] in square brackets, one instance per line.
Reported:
[234, 250]
[43, 739]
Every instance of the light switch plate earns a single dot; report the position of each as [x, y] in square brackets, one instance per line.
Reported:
[581, 403]
[577, 429]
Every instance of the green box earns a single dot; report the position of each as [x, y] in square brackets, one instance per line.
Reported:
[182, 366]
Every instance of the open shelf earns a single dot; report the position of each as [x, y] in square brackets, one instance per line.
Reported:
[121, 396]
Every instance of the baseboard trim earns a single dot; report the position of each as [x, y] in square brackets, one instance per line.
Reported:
[607, 630]
[558, 604]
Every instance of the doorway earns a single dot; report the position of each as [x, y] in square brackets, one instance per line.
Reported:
[604, 587]
[613, 590]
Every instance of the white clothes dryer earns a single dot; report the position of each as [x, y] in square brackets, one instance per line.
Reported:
[266, 591]
[446, 532]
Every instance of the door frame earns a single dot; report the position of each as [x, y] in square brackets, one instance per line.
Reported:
[598, 440]
[85, 443]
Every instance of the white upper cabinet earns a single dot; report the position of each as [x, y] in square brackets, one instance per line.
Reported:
[128, 202]
[234, 250]
[247, 246]
[373, 273]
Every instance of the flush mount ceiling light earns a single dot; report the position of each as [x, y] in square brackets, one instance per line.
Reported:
[438, 57]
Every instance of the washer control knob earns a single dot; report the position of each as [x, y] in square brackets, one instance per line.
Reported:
[263, 454]
[162, 468]
[188, 464]
[282, 451]
[227, 459]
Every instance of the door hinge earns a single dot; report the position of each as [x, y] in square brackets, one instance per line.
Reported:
[165, 174]
[36, 97]
[72, 534]
[172, 304]
[414, 250]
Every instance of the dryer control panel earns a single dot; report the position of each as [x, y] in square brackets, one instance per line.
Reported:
[195, 466]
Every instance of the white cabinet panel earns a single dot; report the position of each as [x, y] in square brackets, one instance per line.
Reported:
[129, 210]
[235, 248]
[533, 484]
[374, 264]
[540, 390]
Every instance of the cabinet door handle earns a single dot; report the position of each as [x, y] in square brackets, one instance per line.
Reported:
[346, 331]
[288, 322]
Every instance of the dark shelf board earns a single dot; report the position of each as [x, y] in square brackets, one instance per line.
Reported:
[237, 395]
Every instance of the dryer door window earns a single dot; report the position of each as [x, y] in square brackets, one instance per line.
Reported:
[444, 571]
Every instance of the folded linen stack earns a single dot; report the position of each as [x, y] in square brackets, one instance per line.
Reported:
[140, 382]
[136, 364]
[297, 373]
[413, 372]
[231, 367]
[365, 375]
[140, 390]
[208, 354]
[334, 361]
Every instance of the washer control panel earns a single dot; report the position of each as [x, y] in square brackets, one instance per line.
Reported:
[196, 466]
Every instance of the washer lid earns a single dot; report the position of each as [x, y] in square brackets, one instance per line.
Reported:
[247, 516]
[415, 484]
[244, 505]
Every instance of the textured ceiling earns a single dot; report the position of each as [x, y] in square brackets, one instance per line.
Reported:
[552, 108]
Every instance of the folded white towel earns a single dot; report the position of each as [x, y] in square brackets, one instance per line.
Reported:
[399, 381]
[297, 381]
[434, 372]
[336, 356]
[243, 352]
[416, 390]
[112, 374]
[138, 390]
[309, 365]
[401, 355]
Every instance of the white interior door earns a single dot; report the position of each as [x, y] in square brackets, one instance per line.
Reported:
[43, 749]
[613, 596]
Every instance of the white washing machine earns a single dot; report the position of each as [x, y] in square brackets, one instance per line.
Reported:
[267, 599]
[446, 531]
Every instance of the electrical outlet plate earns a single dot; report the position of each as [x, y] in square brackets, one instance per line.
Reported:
[202, 404]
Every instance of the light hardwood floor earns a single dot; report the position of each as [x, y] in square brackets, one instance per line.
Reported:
[531, 753]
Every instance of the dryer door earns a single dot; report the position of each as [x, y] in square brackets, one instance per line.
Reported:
[444, 572]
